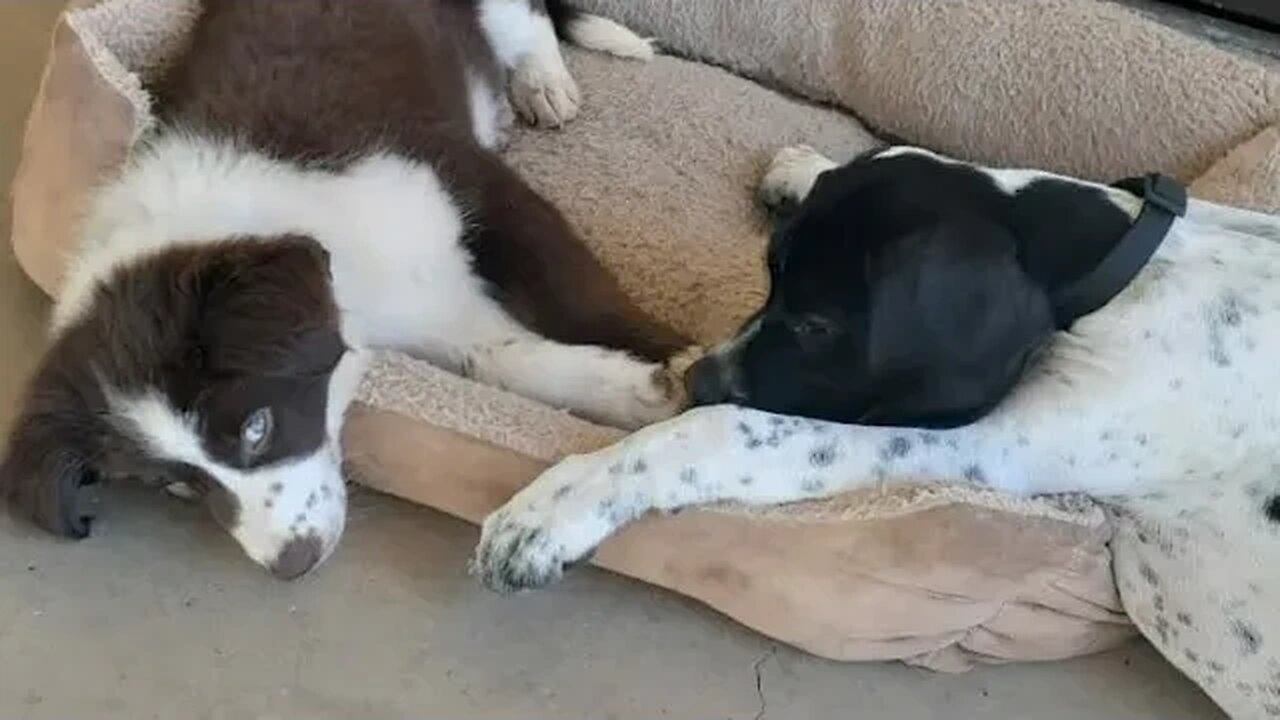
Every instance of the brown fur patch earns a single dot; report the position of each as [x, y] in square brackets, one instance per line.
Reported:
[218, 329]
[323, 81]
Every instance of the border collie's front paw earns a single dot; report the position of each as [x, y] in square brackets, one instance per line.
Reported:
[791, 176]
[183, 491]
[556, 522]
[544, 93]
[655, 397]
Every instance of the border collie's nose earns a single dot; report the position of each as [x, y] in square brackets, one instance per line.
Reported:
[704, 382]
[298, 556]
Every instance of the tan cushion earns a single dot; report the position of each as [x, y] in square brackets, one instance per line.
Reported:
[1249, 176]
[659, 175]
[1079, 86]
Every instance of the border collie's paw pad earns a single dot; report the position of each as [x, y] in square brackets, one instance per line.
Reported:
[791, 175]
[544, 93]
[553, 524]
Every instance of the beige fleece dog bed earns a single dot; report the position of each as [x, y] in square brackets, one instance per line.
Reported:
[659, 174]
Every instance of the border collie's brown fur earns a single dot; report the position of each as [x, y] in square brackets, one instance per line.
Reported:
[210, 331]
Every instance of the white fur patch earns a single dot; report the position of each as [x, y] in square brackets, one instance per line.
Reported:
[792, 174]
[400, 275]
[489, 111]
[604, 35]
[604, 385]
[300, 497]
[1011, 180]
[508, 24]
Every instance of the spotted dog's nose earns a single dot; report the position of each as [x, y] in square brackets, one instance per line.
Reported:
[704, 382]
[298, 556]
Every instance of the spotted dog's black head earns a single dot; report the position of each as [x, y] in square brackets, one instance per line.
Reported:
[908, 289]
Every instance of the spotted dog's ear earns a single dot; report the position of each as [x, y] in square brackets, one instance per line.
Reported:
[953, 324]
[48, 461]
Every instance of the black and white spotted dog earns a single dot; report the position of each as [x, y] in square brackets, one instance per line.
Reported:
[910, 293]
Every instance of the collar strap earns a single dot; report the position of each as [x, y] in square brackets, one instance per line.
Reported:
[1163, 200]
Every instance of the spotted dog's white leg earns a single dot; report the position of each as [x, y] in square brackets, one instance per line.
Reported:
[601, 384]
[792, 174]
[542, 90]
[1046, 439]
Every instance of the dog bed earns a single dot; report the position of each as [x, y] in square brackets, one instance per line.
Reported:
[659, 173]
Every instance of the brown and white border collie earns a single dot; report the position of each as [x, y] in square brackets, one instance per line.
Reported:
[324, 182]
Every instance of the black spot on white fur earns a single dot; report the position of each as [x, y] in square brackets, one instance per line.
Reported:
[1148, 573]
[899, 446]
[813, 485]
[822, 456]
[1248, 635]
[1224, 314]
[1272, 508]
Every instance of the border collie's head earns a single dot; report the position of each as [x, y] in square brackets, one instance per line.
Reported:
[898, 297]
[218, 365]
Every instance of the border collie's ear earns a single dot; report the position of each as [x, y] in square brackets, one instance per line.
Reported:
[47, 462]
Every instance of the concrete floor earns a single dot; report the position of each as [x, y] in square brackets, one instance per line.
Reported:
[158, 615]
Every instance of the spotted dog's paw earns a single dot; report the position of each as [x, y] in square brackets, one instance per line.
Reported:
[554, 523]
[791, 176]
[543, 92]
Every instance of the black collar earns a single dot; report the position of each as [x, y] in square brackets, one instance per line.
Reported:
[1163, 200]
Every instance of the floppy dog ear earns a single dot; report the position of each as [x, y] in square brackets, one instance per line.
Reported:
[954, 321]
[47, 463]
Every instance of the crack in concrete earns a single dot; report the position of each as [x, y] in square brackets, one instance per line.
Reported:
[757, 667]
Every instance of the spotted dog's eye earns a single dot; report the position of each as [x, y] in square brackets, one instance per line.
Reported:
[255, 433]
[812, 327]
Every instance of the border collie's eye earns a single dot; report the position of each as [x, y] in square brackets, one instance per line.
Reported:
[255, 433]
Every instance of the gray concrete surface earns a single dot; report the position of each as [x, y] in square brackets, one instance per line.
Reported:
[158, 616]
